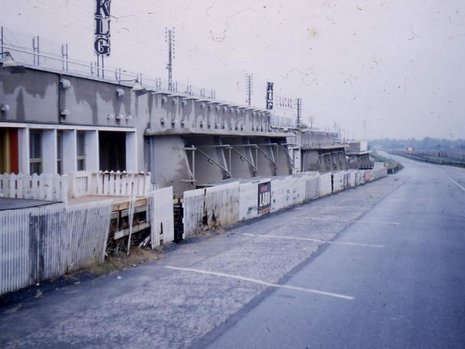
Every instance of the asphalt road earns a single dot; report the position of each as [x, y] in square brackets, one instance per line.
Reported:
[382, 265]
[409, 293]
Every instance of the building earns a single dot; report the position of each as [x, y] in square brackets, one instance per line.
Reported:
[56, 121]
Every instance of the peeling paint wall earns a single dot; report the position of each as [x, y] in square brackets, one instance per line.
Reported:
[31, 96]
[169, 163]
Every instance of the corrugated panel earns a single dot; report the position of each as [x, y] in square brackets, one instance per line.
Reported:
[29, 250]
[87, 233]
[14, 251]
[44, 242]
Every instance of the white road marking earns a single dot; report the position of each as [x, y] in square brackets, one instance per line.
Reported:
[263, 283]
[452, 180]
[314, 240]
[350, 221]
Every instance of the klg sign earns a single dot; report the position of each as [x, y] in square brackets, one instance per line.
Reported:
[269, 95]
[102, 27]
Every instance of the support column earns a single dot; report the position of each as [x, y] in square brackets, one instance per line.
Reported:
[131, 152]
[49, 151]
[23, 150]
[92, 151]
[69, 151]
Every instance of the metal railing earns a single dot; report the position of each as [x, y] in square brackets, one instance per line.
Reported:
[62, 62]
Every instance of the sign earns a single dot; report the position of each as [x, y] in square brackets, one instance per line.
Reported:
[264, 198]
[269, 95]
[102, 27]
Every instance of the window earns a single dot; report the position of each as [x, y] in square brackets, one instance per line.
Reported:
[81, 150]
[35, 152]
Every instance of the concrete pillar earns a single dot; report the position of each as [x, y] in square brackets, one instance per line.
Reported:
[131, 152]
[23, 150]
[69, 151]
[92, 151]
[49, 151]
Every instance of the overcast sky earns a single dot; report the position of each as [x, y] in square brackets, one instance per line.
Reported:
[398, 65]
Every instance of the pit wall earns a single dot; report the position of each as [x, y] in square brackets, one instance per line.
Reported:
[226, 204]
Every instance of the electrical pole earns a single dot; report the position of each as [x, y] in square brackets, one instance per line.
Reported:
[312, 120]
[249, 88]
[1, 39]
[299, 111]
[169, 38]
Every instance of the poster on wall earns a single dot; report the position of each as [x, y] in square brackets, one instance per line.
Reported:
[264, 198]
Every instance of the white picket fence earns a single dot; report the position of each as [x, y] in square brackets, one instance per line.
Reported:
[117, 183]
[55, 187]
[39, 187]
[44, 242]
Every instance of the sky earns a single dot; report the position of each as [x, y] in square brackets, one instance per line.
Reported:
[391, 69]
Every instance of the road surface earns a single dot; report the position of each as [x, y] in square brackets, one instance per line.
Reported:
[382, 265]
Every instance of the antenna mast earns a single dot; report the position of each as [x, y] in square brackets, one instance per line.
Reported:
[169, 38]
[249, 88]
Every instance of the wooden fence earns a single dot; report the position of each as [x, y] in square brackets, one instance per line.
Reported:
[110, 183]
[60, 188]
[38, 187]
[44, 242]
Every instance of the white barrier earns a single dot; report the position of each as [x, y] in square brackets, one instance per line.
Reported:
[352, 174]
[222, 204]
[312, 187]
[287, 191]
[38, 187]
[338, 179]
[193, 206]
[161, 216]
[325, 184]
[44, 242]
[226, 204]
[248, 201]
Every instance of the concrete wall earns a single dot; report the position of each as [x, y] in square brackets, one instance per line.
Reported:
[226, 204]
[310, 160]
[169, 164]
[30, 97]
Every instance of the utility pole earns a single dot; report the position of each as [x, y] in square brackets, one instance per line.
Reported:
[1, 39]
[249, 88]
[312, 120]
[169, 38]
[299, 111]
